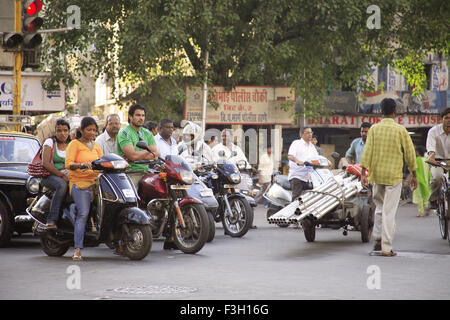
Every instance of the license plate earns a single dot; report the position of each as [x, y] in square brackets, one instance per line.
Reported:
[207, 193]
[179, 187]
[228, 186]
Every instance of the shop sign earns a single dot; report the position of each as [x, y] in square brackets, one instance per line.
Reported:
[242, 105]
[33, 97]
[349, 121]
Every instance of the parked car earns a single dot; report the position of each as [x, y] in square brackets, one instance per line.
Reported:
[17, 188]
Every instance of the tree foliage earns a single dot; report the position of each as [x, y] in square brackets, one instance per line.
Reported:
[313, 46]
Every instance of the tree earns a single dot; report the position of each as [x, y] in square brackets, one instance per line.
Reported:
[314, 46]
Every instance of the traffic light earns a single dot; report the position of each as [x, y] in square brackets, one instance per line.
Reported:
[31, 23]
[11, 40]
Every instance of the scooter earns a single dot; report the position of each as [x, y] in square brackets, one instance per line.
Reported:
[114, 218]
[163, 194]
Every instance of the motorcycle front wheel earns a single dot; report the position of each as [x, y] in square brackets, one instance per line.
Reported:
[239, 221]
[193, 236]
[139, 243]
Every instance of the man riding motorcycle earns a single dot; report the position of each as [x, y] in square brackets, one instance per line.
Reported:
[192, 144]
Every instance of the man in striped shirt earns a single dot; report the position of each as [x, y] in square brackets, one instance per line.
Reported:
[387, 144]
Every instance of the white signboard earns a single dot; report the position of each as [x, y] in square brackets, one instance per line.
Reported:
[33, 98]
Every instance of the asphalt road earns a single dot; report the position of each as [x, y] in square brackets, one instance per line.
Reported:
[267, 263]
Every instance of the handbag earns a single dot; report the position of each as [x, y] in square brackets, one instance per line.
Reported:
[36, 168]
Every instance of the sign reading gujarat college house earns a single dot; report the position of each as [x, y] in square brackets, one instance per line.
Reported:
[242, 105]
[352, 121]
[33, 97]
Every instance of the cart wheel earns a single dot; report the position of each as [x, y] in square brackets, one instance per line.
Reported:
[366, 225]
[309, 229]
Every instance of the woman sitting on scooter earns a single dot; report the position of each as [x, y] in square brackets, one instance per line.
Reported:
[79, 155]
[53, 159]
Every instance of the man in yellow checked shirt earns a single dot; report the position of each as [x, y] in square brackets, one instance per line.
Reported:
[386, 145]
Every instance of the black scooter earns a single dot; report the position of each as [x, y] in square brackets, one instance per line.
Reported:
[234, 209]
[114, 218]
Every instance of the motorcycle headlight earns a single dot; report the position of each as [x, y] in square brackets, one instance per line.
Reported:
[32, 185]
[241, 164]
[235, 177]
[187, 176]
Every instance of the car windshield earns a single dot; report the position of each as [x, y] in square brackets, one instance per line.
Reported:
[179, 161]
[17, 149]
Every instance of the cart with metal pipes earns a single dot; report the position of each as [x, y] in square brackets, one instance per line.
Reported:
[338, 203]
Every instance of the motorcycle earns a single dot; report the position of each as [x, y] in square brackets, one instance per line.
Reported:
[163, 194]
[114, 218]
[234, 210]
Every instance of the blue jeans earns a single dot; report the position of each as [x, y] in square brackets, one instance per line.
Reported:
[82, 199]
[60, 187]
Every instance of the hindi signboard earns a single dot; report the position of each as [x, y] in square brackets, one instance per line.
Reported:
[242, 105]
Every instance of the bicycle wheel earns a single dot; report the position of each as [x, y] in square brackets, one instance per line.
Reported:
[442, 210]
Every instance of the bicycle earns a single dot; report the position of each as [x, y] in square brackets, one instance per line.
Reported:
[444, 197]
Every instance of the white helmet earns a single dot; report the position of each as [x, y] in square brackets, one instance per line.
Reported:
[194, 129]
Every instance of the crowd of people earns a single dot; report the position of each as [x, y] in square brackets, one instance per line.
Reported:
[385, 149]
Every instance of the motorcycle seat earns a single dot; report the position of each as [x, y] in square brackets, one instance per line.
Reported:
[283, 181]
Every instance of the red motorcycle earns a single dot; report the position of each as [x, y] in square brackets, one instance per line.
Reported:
[163, 194]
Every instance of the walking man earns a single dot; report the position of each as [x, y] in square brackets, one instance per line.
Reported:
[386, 145]
[107, 140]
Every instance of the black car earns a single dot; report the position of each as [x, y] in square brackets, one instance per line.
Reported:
[17, 188]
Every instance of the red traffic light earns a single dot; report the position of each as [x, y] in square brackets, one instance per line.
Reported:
[33, 7]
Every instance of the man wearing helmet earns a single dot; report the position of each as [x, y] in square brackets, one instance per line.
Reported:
[192, 143]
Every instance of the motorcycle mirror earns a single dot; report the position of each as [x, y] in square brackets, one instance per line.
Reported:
[180, 148]
[142, 145]
[221, 153]
[233, 153]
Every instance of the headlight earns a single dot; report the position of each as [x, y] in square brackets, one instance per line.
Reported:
[187, 176]
[241, 164]
[214, 176]
[33, 185]
[116, 164]
[235, 177]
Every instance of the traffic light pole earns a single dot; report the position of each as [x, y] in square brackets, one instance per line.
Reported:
[17, 66]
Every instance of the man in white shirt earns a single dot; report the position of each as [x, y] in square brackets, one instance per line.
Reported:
[266, 168]
[228, 146]
[299, 151]
[107, 140]
[166, 144]
[438, 146]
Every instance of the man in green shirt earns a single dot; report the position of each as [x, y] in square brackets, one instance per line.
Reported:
[128, 137]
[386, 145]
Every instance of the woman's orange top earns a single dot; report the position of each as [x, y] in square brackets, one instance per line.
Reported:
[78, 152]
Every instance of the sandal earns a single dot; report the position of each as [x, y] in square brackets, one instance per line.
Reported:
[77, 258]
[388, 254]
[50, 226]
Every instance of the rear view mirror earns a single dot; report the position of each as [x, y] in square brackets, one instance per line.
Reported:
[142, 145]
[335, 155]
[221, 153]
[233, 153]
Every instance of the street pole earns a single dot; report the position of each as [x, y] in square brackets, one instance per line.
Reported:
[205, 94]
[17, 66]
